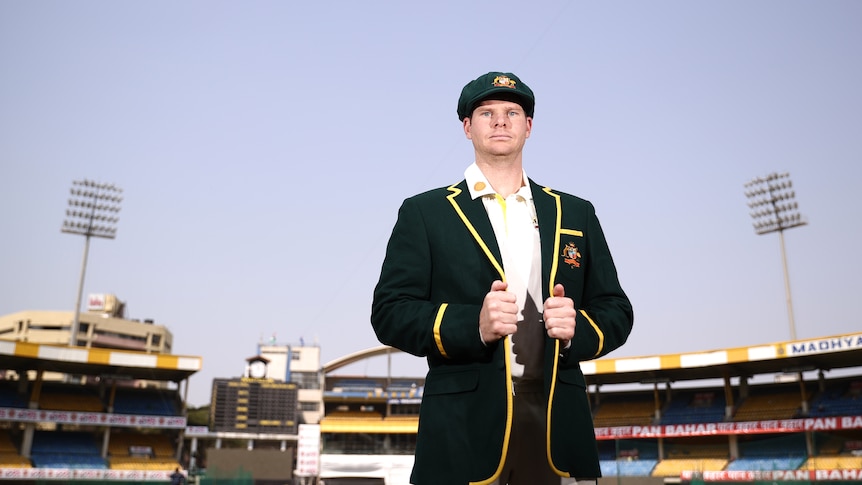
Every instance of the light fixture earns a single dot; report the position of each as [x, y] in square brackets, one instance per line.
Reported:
[774, 209]
[92, 212]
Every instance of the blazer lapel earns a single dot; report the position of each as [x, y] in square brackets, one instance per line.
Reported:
[548, 215]
[474, 216]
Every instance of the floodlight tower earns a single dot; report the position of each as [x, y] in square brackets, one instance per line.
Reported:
[92, 212]
[774, 209]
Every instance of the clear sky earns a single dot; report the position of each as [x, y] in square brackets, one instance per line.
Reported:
[264, 148]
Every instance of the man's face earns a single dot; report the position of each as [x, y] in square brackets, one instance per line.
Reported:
[498, 128]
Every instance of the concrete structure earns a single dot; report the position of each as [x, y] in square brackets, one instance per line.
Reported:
[103, 325]
[300, 365]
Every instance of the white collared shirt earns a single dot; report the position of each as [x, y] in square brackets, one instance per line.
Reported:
[516, 229]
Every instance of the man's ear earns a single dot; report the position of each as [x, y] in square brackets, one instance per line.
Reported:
[467, 127]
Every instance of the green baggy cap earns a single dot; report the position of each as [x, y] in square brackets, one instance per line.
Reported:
[503, 84]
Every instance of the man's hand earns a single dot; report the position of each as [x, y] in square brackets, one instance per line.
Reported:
[499, 314]
[560, 316]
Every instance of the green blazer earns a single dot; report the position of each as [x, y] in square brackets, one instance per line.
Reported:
[440, 261]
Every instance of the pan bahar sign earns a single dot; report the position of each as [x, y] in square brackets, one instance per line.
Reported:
[773, 475]
[730, 428]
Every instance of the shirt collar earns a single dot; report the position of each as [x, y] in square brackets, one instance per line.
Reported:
[479, 186]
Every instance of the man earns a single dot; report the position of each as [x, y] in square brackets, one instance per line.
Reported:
[504, 286]
[177, 477]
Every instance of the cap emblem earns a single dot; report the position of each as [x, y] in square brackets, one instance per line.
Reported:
[504, 82]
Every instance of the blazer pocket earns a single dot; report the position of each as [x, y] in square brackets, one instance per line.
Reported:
[449, 382]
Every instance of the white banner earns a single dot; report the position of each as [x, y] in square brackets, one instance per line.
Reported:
[308, 451]
[89, 474]
[99, 419]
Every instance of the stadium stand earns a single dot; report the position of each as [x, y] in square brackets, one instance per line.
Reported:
[349, 414]
[707, 447]
[770, 453]
[628, 449]
[627, 468]
[81, 450]
[62, 426]
[129, 443]
[660, 435]
[781, 446]
[767, 404]
[141, 451]
[833, 463]
[701, 406]
[66, 449]
[839, 399]
[373, 417]
[9, 396]
[145, 401]
[71, 398]
[624, 410]
[9, 457]
[636, 458]
[828, 445]
[358, 388]
[673, 467]
[765, 464]
[404, 389]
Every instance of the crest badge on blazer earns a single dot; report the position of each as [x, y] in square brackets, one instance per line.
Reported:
[572, 255]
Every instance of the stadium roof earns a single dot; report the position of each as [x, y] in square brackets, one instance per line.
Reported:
[118, 364]
[359, 356]
[823, 353]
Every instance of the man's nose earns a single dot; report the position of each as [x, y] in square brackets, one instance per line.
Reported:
[500, 119]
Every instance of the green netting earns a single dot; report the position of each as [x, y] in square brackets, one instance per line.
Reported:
[214, 476]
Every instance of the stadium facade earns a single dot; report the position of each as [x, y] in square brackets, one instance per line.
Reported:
[108, 407]
[785, 411]
[111, 408]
